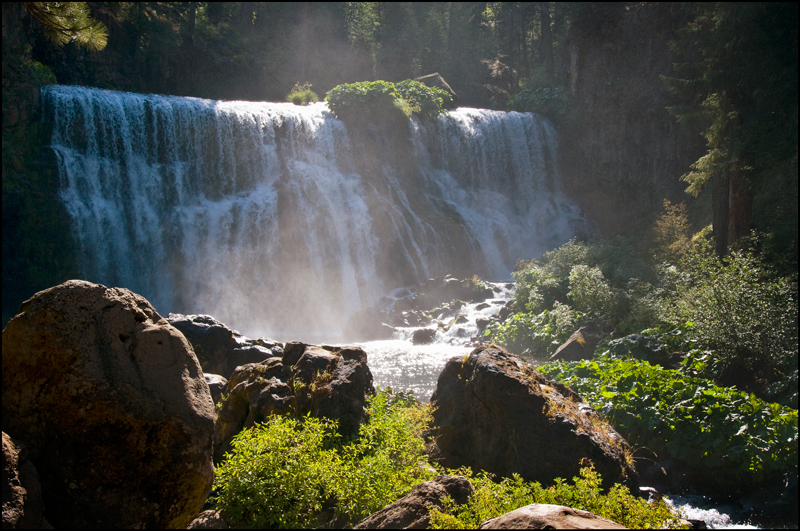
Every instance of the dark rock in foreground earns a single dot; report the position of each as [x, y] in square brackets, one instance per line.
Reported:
[411, 511]
[220, 349]
[545, 516]
[112, 405]
[492, 411]
[23, 506]
[330, 382]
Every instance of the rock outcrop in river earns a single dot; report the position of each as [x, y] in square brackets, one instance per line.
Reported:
[492, 411]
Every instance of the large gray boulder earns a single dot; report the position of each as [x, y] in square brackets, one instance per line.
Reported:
[330, 382]
[492, 411]
[545, 516]
[220, 349]
[112, 406]
[412, 510]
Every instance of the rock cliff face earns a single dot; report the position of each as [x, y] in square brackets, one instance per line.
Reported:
[621, 152]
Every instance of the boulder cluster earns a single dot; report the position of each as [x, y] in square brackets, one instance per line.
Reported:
[114, 416]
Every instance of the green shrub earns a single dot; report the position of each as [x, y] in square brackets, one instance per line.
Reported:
[606, 279]
[734, 437]
[283, 473]
[535, 336]
[739, 308]
[302, 94]
[492, 499]
[590, 292]
[41, 74]
[429, 102]
[374, 100]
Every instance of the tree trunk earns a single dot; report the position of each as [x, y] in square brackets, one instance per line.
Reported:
[740, 205]
[547, 40]
[720, 191]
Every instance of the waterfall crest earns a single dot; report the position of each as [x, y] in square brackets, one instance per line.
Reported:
[279, 220]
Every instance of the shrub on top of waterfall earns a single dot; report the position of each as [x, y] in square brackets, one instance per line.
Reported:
[729, 440]
[292, 472]
[302, 94]
[375, 100]
[494, 498]
[741, 309]
[428, 102]
[536, 336]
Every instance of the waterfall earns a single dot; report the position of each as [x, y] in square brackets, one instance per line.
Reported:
[277, 219]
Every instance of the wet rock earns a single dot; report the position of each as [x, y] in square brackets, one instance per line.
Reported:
[113, 408]
[423, 336]
[581, 344]
[412, 510]
[23, 506]
[217, 385]
[545, 516]
[492, 411]
[330, 382]
[220, 349]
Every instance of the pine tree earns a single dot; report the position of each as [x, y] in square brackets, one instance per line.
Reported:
[69, 22]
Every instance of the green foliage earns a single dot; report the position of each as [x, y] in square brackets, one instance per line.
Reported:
[535, 335]
[550, 101]
[381, 99]
[283, 473]
[740, 308]
[351, 100]
[69, 22]
[734, 437]
[607, 279]
[41, 74]
[302, 94]
[591, 292]
[671, 237]
[492, 499]
[429, 102]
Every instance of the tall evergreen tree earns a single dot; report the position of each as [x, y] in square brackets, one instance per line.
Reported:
[739, 76]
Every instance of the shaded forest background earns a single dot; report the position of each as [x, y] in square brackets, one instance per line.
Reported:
[638, 91]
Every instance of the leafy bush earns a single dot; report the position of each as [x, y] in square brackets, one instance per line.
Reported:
[535, 335]
[607, 279]
[302, 94]
[739, 308]
[285, 472]
[381, 99]
[492, 499]
[734, 437]
[590, 292]
[428, 102]
[671, 237]
[41, 74]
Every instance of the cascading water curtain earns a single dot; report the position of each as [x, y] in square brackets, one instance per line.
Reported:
[267, 216]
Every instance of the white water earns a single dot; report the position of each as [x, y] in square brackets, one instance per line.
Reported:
[256, 213]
